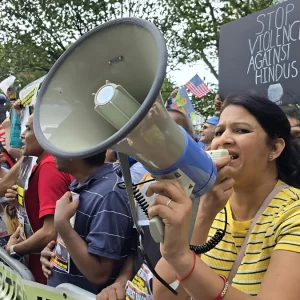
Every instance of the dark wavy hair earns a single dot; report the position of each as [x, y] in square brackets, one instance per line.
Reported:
[275, 123]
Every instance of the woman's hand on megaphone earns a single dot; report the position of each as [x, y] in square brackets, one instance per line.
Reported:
[215, 200]
[174, 207]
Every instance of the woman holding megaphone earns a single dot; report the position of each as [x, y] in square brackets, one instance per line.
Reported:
[258, 184]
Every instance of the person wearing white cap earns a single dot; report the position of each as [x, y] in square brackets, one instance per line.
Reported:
[207, 132]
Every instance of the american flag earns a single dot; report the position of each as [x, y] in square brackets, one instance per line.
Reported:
[197, 87]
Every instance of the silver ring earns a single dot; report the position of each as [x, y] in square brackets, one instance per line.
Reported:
[167, 205]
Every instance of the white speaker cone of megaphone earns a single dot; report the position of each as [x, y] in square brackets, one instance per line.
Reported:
[104, 92]
[128, 52]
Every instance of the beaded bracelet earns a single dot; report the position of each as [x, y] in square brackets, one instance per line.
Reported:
[225, 288]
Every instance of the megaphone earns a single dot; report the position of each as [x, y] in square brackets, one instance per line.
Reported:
[104, 92]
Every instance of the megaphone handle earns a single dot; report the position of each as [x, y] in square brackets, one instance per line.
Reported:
[157, 227]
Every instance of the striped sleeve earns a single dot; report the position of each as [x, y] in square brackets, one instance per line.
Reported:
[287, 234]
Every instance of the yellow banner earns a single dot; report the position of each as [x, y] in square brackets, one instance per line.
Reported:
[29, 96]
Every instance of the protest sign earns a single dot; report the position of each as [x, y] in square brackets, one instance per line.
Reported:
[22, 185]
[139, 288]
[6, 83]
[8, 218]
[28, 98]
[184, 103]
[260, 53]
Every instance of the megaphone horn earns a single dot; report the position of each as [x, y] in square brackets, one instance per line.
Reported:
[65, 121]
[104, 92]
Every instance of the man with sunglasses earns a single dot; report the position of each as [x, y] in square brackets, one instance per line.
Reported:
[207, 132]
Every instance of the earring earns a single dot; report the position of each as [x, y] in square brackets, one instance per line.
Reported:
[271, 156]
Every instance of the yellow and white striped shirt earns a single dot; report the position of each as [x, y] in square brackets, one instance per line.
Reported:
[278, 228]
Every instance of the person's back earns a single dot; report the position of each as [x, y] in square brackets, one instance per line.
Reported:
[103, 220]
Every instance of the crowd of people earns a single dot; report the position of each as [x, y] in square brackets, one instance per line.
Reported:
[80, 228]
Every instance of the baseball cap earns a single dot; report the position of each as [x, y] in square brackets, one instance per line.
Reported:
[213, 120]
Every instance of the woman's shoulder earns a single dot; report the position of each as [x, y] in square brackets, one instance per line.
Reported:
[288, 202]
[289, 194]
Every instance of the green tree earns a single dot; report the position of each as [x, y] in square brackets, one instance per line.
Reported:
[192, 32]
[35, 33]
[167, 88]
[193, 27]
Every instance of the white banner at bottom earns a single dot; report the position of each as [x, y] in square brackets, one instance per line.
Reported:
[13, 287]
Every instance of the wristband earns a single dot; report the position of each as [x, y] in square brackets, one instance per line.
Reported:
[13, 254]
[225, 288]
[192, 270]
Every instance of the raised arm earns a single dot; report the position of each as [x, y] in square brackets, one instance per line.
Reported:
[10, 178]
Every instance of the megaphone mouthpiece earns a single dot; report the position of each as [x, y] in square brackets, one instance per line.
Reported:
[115, 105]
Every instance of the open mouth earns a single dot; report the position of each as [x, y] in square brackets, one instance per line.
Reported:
[233, 155]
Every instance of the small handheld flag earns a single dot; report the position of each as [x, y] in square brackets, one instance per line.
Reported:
[197, 87]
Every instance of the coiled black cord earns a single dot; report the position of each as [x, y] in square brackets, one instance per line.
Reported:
[213, 242]
[140, 199]
[198, 249]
